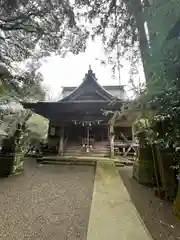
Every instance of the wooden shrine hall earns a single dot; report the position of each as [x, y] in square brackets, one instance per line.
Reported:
[80, 121]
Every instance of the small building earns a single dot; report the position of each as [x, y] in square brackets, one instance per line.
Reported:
[80, 121]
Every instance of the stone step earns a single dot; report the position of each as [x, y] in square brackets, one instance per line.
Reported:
[82, 150]
[79, 151]
[100, 149]
[73, 147]
[97, 149]
[81, 146]
[86, 154]
[71, 160]
[77, 162]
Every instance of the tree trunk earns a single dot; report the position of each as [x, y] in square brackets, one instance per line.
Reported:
[135, 8]
[176, 204]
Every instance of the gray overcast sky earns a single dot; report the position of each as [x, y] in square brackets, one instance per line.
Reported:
[70, 71]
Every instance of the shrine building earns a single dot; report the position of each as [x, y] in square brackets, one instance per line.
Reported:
[81, 120]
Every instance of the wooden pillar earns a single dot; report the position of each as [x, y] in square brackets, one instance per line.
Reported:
[111, 135]
[133, 132]
[109, 132]
[61, 142]
[87, 142]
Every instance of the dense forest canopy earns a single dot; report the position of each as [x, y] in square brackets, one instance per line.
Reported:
[29, 31]
[49, 26]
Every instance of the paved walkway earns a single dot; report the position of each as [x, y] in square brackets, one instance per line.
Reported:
[113, 215]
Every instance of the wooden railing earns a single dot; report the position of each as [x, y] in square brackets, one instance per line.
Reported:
[125, 147]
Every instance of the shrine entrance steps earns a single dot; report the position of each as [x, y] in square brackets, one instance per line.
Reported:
[75, 154]
[99, 149]
[78, 160]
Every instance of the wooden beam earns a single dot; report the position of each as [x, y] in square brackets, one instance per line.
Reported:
[61, 142]
[111, 132]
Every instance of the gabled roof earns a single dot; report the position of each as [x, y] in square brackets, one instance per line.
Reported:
[107, 88]
[87, 87]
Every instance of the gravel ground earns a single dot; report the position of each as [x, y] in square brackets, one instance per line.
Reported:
[46, 202]
[157, 215]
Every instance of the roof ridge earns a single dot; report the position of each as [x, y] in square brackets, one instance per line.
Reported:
[93, 77]
[104, 86]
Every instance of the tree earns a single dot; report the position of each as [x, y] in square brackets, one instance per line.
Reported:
[49, 26]
[120, 23]
[31, 30]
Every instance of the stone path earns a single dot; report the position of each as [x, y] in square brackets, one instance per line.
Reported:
[113, 215]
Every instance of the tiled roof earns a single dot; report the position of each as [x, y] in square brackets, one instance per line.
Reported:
[111, 87]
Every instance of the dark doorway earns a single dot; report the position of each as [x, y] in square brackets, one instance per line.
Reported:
[75, 132]
[78, 132]
[99, 132]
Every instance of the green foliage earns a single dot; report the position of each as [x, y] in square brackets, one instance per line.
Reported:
[29, 32]
[116, 23]
[28, 24]
[37, 128]
[163, 90]
[33, 129]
